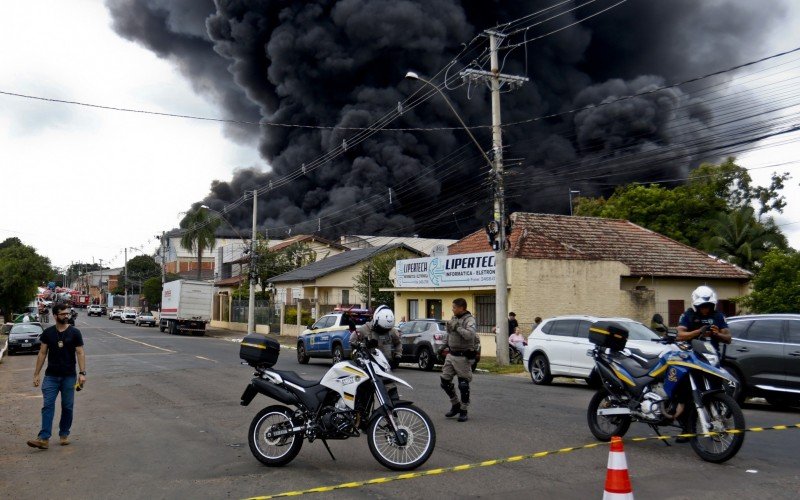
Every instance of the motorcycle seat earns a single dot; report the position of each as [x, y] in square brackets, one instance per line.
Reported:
[290, 376]
[652, 359]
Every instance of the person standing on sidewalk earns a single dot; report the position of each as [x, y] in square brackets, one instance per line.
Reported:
[461, 333]
[61, 345]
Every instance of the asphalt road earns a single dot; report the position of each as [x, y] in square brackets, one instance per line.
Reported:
[160, 418]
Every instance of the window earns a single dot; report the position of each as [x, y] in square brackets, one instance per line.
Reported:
[675, 308]
[325, 322]
[583, 329]
[420, 326]
[547, 326]
[406, 327]
[564, 327]
[637, 331]
[413, 309]
[768, 330]
[793, 332]
[738, 329]
[726, 307]
[345, 297]
[484, 312]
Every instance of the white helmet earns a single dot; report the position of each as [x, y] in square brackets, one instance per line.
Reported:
[383, 318]
[704, 295]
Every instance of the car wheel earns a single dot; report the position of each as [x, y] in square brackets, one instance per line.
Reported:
[302, 356]
[540, 370]
[338, 354]
[161, 329]
[425, 359]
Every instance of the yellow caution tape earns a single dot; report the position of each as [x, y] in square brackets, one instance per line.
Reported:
[516, 458]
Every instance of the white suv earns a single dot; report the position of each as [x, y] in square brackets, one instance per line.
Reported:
[128, 315]
[115, 313]
[558, 347]
[94, 310]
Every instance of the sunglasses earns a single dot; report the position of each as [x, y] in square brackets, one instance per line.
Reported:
[64, 314]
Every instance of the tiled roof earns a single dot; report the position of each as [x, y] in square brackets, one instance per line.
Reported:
[302, 238]
[232, 281]
[335, 263]
[646, 253]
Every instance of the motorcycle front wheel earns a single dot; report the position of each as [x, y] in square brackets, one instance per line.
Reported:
[418, 431]
[273, 451]
[725, 415]
[605, 427]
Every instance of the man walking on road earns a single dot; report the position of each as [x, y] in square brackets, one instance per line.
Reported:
[61, 344]
[461, 331]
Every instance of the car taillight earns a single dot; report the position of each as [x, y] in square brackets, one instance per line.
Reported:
[438, 336]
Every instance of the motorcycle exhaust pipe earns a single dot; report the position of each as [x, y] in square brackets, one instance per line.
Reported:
[275, 392]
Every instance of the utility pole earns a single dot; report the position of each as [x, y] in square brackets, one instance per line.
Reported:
[251, 308]
[125, 283]
[499, 228]
[163, 265]
[369, 285]
[100, 283]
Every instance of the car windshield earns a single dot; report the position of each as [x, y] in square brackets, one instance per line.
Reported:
[26, 329]
[637, 331]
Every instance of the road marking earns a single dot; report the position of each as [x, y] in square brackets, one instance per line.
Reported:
[516, 458]
[138, 342]
[207, 359]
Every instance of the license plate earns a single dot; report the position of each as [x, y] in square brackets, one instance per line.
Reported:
[26, 344]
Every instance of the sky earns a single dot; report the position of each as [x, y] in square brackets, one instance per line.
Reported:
[82, 184]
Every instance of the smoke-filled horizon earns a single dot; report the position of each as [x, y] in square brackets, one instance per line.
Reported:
[342, 63]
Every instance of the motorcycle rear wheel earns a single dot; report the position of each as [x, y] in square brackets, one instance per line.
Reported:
[718, 449]
[602, 427]
[273, 452]
[420, 436]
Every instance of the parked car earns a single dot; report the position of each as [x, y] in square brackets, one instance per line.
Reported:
[94, 310]
[764, 356]
[424, 342]
[24, 337]
[128, 314]
[558, 346]
[103, 310]
[116, 313]
[329, 336]
[145, 319]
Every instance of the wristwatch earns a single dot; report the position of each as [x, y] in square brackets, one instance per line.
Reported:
[82, 373]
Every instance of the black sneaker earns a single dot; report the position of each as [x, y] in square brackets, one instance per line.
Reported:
[455, 410]
[462, 416]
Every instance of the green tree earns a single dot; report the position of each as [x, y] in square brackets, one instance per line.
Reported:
[741, 239]
[269, 263]
[143, 267]
[199, 228]
[776, 287]
[690, 213]
[151, 289]
[22, 270]
[375, 275]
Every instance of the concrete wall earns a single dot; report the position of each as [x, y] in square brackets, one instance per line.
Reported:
[238, 327]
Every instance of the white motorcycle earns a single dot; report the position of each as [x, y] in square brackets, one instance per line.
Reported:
[353, 397]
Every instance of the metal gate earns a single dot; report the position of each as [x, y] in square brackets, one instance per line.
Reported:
[484, 312]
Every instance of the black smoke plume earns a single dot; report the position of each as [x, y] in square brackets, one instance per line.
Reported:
[342, 63]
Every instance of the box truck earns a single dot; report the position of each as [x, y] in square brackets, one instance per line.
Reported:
[185, 306]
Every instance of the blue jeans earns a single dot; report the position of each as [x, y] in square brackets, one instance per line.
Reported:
[51, 386]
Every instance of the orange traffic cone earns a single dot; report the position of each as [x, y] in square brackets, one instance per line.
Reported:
[618, 484]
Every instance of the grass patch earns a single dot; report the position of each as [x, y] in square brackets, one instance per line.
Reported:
[491, 366]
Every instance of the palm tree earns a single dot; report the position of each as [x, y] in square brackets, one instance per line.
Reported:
[199, 228]
[741, 239]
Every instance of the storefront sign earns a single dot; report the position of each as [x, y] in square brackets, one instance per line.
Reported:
[473, 269]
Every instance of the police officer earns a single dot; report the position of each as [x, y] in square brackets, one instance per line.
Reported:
[702, 319]
[380, 328]
[461, 334]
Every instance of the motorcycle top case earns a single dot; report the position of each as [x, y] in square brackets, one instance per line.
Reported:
[259, 350]
[608, 334]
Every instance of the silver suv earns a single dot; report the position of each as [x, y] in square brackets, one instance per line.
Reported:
[128, 315]
[424, 343]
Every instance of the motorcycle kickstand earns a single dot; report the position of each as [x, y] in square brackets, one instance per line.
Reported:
[655, 428]
[329, 449]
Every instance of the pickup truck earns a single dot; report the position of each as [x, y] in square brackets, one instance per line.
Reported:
[329, 336]
[94, 310]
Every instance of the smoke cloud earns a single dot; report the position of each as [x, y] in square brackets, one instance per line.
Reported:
[342, 63]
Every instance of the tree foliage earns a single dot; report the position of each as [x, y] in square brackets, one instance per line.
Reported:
[715, 211]
[269, 263]
[776, 287]
[199, 229]
[21, 271]
[376, 275]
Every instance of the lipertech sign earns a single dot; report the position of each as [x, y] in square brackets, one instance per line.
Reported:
[472, 269]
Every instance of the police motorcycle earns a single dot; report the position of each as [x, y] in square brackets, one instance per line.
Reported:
[680, 388]
[352, 397]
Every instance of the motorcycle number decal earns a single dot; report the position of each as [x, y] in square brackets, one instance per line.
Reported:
[348, 380]
[672, 375]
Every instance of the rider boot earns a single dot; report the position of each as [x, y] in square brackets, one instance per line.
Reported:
[450, 389]
[463, 388]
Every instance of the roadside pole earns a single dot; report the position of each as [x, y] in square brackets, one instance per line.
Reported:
[251, 308]
[499, 228]
[126, 277]
[163, 265]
